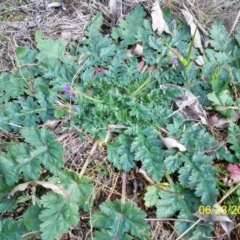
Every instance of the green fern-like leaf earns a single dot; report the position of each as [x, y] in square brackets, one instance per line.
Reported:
[121, 219]
[234, 139]
[200, 232]
[105, 235]
[128, 28]
[36, 137]
[223, 102]
[198, 174]
[151, 196]
[30, 110]
[220, 38]
[169, 203]
[120, 154]
[31, 218]
[237, 36]
[205, 186]
[10, 229]
[173, 161]
[11, 86]
[61, 212]
[58, 216]
[95, 26]
[23, 158]
[49, 150]
[49, 47]
[79, 189]
[7, 205]
[147, 149]
[25, 55]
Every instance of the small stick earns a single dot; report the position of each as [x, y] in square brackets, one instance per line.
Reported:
[145, 175]
[180, 237]
[88, 159]
[124, 186]
[183, 106]
[229, 193]
[235, 23]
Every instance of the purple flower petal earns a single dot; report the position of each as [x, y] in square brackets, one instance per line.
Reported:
[67, 88]
[73, 95]
[175, 60]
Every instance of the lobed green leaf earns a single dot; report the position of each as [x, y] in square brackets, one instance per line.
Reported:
[120, 219]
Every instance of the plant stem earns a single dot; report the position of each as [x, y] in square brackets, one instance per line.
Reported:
[191, 44]
[142, 86]
[169, 178]
[148, 80]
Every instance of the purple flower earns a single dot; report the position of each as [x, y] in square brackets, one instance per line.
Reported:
[73, 95]
[175, 61]
[67, 88]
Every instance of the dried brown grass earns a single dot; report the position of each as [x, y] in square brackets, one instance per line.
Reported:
[18, 23]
